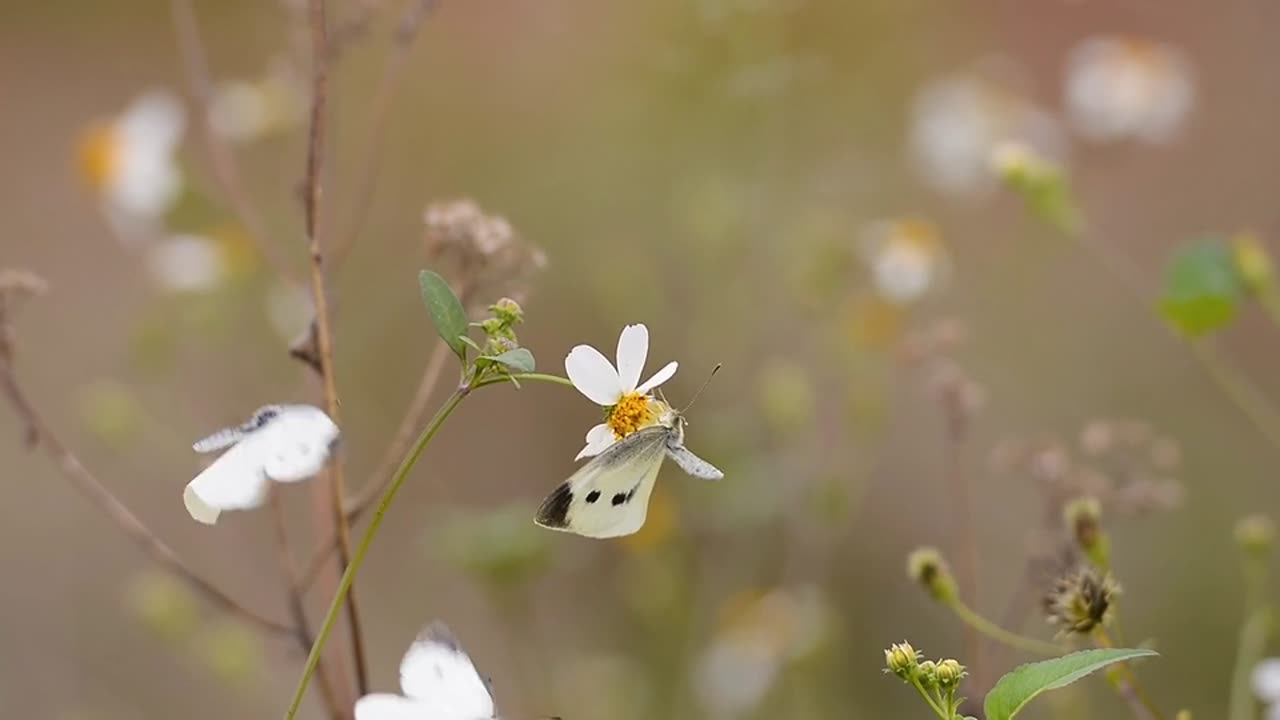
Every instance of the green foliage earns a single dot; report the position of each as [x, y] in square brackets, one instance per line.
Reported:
[1018, 687]
[1202, 287]
[446, 311]
[518, 360]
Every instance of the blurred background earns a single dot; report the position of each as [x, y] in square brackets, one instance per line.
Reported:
[801, 190]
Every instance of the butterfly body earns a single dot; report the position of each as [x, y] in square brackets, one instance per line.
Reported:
[609, 496]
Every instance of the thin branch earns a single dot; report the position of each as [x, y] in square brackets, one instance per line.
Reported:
[302, 627]
[222, 160]
[388, 87]
[38, 433]
[324, 335]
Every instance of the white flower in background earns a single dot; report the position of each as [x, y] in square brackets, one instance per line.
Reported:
[187, 263]
[1266, 686]
[439, 682]
[1118, 88]
[956, 122]
[905, 257]
[285, 443]
[626, 400]
[758, 640]
[247, 110]
[289, 310]
[130, 159]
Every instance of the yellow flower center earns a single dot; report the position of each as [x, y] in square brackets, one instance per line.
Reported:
[631, 413]
[99, 155]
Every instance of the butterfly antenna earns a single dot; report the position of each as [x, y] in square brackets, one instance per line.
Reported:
[705, 383]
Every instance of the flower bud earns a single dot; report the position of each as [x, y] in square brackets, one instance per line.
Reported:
[901, 659]
[1253, 262]
[1083, 517]
[1255, 534]
[926, 566]
[507, 311]
[928, 674]
[950, 672]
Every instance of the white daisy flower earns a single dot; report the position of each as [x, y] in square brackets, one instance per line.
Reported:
[627, 402]
[130, 159]
[439, 682]
[1266, 681]
[285, 443]
[248, 110]
[1118, 87]
[905, 257]
[187, 263]
[956, 122]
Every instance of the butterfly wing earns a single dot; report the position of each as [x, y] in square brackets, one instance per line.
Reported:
[692, 464]
[384, 706]
[234, 481]
[439, 677]
[295, 442]
[609, 496]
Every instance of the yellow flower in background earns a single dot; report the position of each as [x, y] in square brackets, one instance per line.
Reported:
[958, 119]
[1128, 88]
[905, 257]
[130, 160]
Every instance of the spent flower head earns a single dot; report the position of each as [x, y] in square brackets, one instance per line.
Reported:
[927, 566]
[628, 404]
[1081, 601]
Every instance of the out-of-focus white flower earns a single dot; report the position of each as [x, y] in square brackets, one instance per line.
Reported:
[627, 401]
[247, 110]
[1266, 686]
[289, 309]
[187, 263]
[906, 258]
[1119, 87]
[130, 159]
[958, 119]
[743, 661]
[284, 443]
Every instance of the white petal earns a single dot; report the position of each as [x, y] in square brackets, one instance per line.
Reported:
[633, 348]
[659, 377]
[1266, 680]
[382, 706]
[592, 374]
[599, 438]
[234, 481]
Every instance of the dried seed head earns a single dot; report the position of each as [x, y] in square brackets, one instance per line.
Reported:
[1080, 601]
[491, 257]
[927, 567]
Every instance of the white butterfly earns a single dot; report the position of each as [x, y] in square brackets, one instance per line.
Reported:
[439, 683]
[609, 496]
[286, 443]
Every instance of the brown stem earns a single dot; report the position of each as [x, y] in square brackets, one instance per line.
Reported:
[1126, 683]
[324, 336]
[222, 160]
[38, 433]
[302, 627]
[388, 87]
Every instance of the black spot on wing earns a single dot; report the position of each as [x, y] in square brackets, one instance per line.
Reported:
[619, 498]
[261, 417]
[554, 512]
[593, 496]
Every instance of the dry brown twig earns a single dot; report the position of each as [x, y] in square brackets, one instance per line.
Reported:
[222, 159]
[15, 286]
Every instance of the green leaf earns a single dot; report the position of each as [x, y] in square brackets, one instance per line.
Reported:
[1017, 688]
[519, 360]
[1202, 288]
[445, 310]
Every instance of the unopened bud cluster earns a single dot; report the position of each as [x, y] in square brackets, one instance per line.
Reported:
[499, 327]
[927, 567]
[904, 661]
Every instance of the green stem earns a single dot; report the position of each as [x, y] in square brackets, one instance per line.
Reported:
[1254, 633]
[999, 634]
[335, 607]
[929, 699]
[402, 472]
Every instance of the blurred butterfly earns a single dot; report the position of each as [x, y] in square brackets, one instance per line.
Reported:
[439, 682]
[609, 496]
[285, 443]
